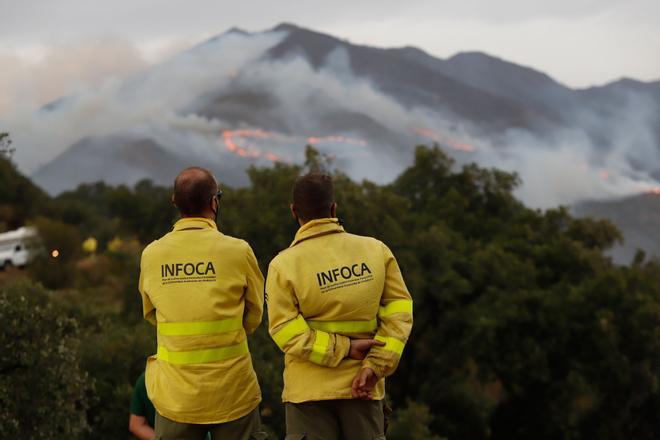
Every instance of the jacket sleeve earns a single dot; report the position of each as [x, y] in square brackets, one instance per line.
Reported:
[394, 320]
[290, 331]
[254, 294]
[148, 309]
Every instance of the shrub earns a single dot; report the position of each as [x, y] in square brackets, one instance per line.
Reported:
[42, 388]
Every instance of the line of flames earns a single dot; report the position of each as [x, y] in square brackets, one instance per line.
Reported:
[230, 138]
[251, 151]
[607, 175]
[445, 140]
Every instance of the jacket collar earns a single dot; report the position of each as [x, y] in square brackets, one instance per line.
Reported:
[194, 223]
[316, 228]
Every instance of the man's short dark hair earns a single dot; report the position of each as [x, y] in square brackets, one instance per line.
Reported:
[194, 188]
[313, 195]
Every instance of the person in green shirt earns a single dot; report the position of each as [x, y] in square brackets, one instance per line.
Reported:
[141, 420]
[143, 414]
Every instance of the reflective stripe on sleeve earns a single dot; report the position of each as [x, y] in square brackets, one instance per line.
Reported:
[289, 330]
[202, 356]
[391, 344]
[199, 327]
[345, 326]
[397, 306]
[320, 347]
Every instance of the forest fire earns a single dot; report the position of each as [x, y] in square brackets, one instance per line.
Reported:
[232, 138]
[655, 191]
[444, 140]
[238, 142]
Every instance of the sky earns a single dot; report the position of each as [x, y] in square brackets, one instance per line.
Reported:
[50, 48]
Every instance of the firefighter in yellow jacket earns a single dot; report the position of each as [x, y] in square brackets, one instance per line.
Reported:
[203, 291]
[340, 311]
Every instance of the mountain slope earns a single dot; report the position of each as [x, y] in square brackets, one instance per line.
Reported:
[120, 159]
[117, 159]
[411, 81]
[241, 98]
[638, 217]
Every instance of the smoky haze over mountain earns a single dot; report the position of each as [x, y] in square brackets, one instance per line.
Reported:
[241, 99]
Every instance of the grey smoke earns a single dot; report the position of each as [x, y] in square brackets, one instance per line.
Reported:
[161, 104]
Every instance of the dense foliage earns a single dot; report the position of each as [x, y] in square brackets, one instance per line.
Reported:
[523, 326]
[20, 199]
[42, 387]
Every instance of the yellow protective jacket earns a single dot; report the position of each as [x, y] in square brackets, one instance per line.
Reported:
[327, 287]
[204, 292]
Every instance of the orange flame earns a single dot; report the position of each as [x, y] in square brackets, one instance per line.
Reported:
[237, 142]
[444, 140]
[251, 152]
[655, 191]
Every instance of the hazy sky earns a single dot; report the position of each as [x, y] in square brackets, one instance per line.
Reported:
[49, 47]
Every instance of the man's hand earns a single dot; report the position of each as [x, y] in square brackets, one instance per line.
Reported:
[140, 428]
[360, 348]
[364, 383]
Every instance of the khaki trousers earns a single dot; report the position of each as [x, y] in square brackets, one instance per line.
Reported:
[245, 428]
[335, 420]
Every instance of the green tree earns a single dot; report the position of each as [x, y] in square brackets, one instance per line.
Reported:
[412, 423]
[6, 149]
[42, 387]
[524, 328]
[20, 199]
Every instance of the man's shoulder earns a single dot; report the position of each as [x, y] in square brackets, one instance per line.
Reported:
[237, 243]
[281, 257]
[363, 238]
[287, 256]
[303, 249]
[364, 241]
[150, 248]
[226, 241]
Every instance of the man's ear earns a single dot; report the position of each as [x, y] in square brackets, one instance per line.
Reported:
[333, 210]
[294, 214]
[172, 200]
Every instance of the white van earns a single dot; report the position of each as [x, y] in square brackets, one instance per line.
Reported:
[19, 247]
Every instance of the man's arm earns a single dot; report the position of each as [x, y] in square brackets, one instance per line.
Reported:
[290, 331]
[139, 427]
[137, 422]
[395, 321]
[148, 309]
[254, 294]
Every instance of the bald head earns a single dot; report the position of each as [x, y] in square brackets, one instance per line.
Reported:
[194, 189]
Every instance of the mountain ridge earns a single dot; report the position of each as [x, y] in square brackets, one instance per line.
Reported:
[240, 99]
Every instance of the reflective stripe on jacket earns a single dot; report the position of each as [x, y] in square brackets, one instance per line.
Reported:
[327, 287]
[204, 292]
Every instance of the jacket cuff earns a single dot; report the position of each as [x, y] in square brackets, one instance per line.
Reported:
[343, 344]
[368, 363]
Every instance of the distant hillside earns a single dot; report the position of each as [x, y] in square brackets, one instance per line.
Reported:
[117, 160]
[411, 80]
[638, 217]
[241, 99]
